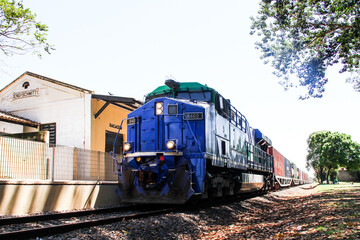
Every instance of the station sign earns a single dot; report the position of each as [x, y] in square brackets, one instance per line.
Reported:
[26, 94]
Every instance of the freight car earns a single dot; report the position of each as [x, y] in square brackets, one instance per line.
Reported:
[188, 141]
[282, 169]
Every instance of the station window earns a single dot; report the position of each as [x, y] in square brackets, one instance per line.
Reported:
[109, 142]
[51, 128]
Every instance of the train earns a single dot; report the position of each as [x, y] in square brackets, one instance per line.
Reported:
[187, 142]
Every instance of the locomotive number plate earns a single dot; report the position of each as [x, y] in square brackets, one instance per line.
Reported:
[193, 116]
[131, 121]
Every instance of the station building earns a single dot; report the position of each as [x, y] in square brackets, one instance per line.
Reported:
[72, 115]
[68, 166]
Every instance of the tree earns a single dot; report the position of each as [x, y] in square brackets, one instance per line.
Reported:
[353, 155]
[328, 151]
[305, 37]
[19, 30]
[315, 158]
[335, 152]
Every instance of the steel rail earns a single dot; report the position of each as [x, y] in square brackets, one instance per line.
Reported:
[63, 228]
[54, 216]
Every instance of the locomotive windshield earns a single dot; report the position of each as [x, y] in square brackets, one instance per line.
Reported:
[148, 98]
[204, 96]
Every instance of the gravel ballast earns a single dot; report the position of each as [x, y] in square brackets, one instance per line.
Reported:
[256, 218]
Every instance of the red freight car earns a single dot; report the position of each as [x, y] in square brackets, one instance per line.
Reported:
[279, 167]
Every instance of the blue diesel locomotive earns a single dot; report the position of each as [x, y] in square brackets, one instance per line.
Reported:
[188, 141]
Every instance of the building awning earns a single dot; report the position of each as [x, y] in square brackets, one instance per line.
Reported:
[11, 118]
[129, 104]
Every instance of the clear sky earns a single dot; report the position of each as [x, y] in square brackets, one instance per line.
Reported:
[128, 48]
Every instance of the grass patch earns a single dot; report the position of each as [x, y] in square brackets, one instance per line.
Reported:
[338, 187]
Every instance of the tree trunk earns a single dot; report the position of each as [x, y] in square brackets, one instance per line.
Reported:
[317, 176]
[320, 175]
[328, 175]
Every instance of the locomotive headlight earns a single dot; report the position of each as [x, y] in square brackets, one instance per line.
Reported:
[170, 145]
[159, 108]
[127, 147]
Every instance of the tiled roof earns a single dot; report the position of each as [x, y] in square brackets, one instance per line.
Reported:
[7, 117]
[52, 81]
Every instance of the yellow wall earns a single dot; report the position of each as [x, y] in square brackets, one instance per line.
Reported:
[112, 115]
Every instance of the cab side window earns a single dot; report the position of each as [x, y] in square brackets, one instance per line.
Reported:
[222, 106]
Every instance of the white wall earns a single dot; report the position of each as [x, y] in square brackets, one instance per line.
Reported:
[10, 128]
[50, 102]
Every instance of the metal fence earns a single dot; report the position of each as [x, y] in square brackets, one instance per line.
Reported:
[29, 160]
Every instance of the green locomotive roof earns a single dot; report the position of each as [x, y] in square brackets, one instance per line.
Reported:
[184, 86]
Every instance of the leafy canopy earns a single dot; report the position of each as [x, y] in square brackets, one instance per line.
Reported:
[302, 38]
[19, 30]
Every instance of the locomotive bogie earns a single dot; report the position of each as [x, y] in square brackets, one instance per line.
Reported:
[155, 179]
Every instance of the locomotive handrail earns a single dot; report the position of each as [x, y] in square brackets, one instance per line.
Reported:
[113, 151]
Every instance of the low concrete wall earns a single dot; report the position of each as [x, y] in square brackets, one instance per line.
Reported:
[345, 176]
[23, 197]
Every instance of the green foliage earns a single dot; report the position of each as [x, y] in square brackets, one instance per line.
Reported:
[302, 38]
[19, 30]
[315, 158]
[327, 151]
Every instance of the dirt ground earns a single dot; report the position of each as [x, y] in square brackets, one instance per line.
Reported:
[302, 212]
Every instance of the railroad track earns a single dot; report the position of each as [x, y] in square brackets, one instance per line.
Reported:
[67, 227]
[138, 211]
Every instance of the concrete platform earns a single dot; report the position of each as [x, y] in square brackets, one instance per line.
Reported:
[24, 197]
